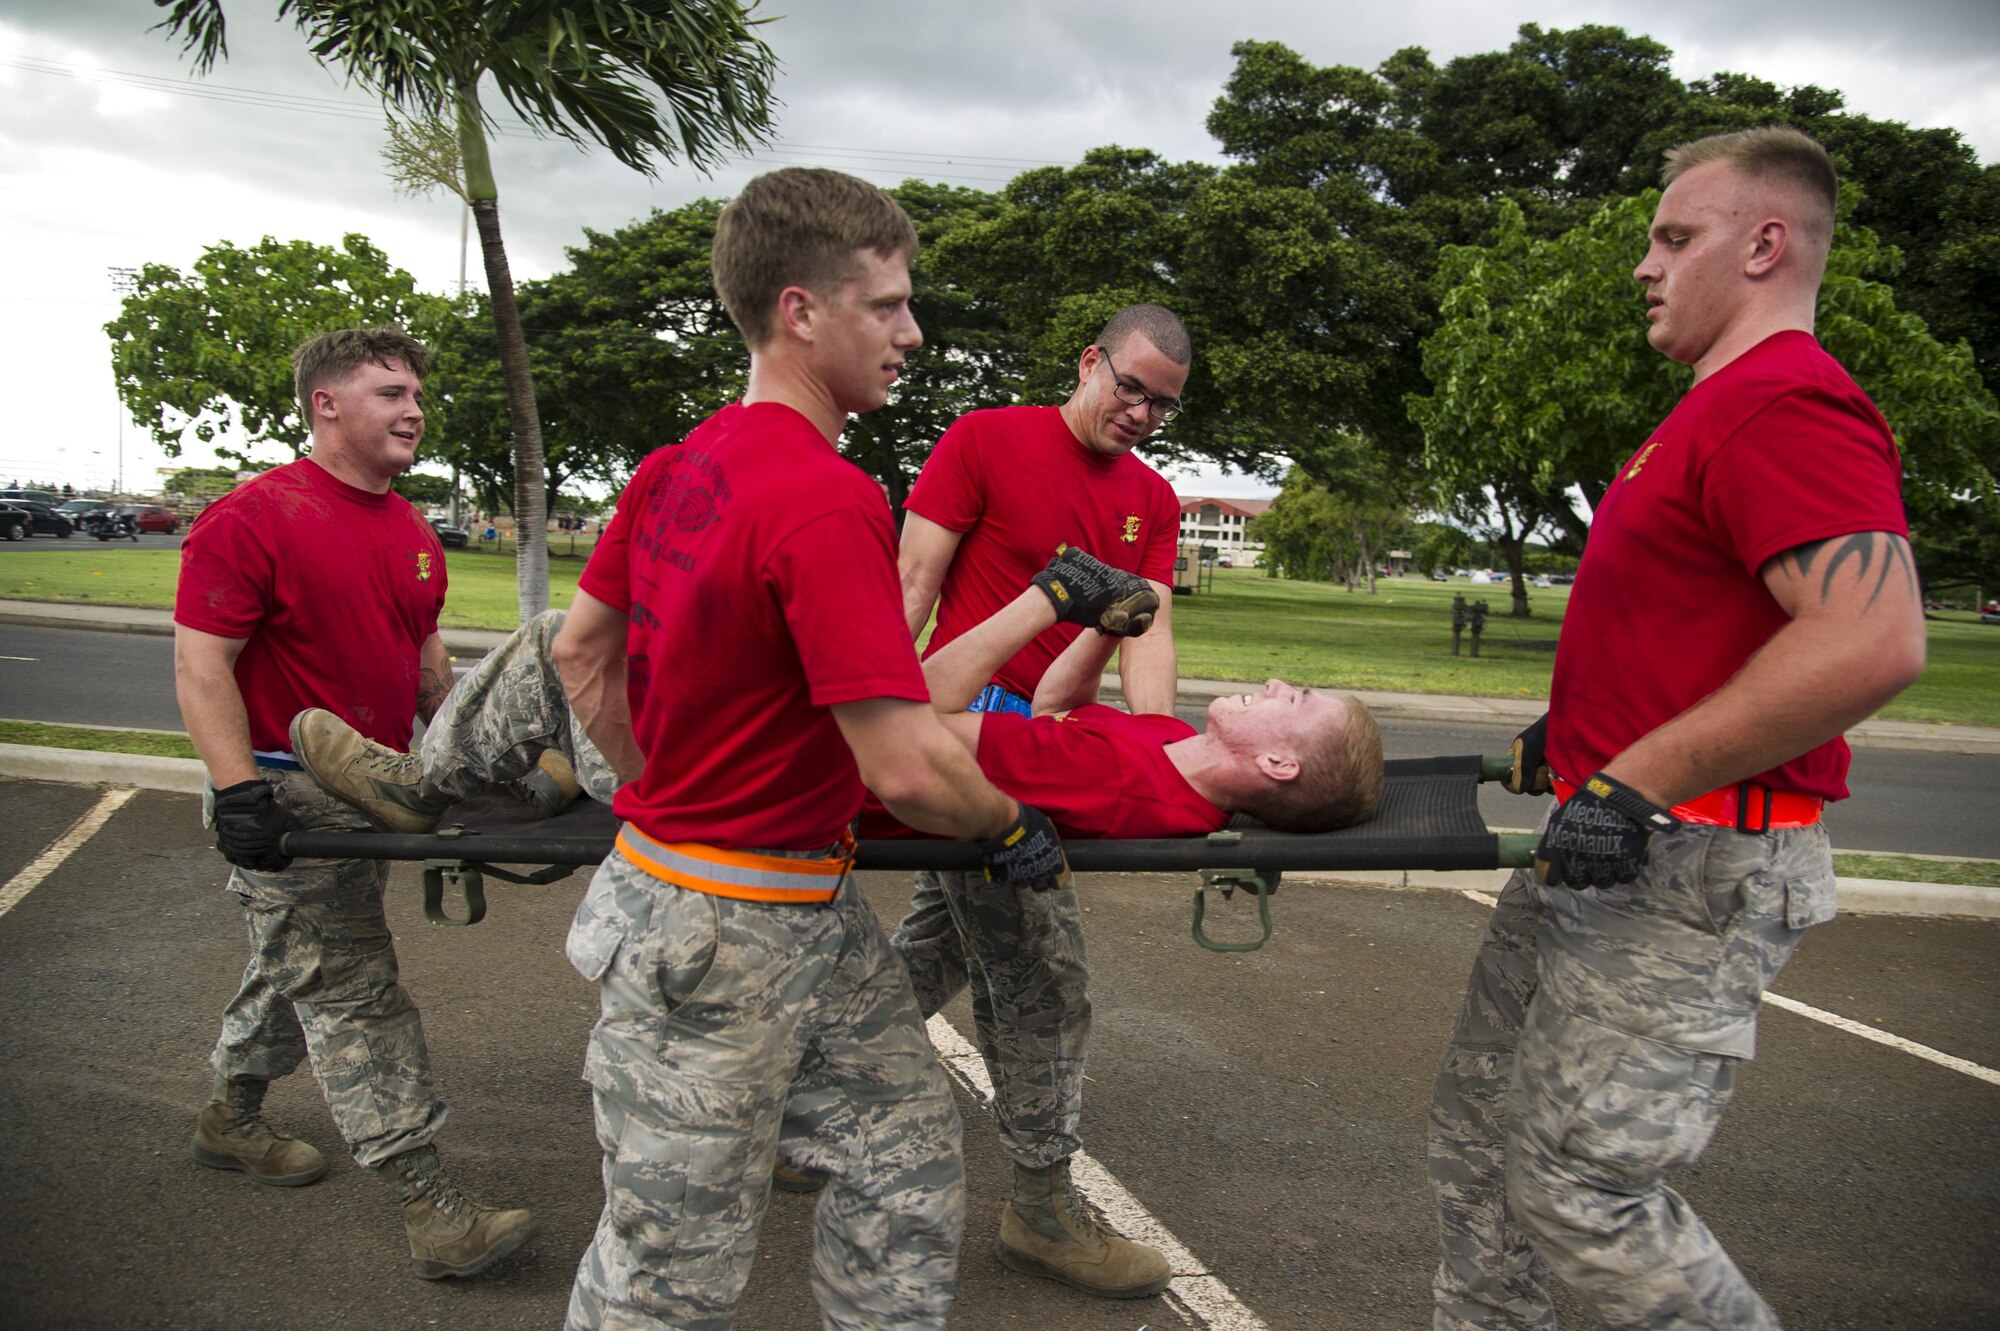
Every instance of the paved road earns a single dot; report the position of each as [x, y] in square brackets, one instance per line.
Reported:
[1268, 1110]
[1910, 801]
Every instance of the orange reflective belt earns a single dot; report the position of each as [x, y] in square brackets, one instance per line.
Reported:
[742, 874]
[1746, 806]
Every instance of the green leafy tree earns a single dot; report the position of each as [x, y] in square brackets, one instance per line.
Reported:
[1319, 534]
[204, 482]
[1543, 382]
[646, 79]
[210, 349]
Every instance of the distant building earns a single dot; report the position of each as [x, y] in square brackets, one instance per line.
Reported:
[1219, 523]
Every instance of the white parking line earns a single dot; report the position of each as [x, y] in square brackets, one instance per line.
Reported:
[61, 848]
[1851, 1026]
[1198, 1298]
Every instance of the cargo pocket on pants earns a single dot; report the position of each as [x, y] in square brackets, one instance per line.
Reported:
[1652, 1112]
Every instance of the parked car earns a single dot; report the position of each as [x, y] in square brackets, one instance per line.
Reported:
[152, 518]
[37, 520]
[28, 517]
[450, 535]
[1562, 579]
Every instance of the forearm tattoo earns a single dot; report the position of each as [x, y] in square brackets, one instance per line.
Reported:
[433, 682]
[1884, 555]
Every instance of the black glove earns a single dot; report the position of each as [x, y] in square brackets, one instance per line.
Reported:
[1599, 836]
[1089, 592]
[248, 822]
[1028, 852]
[1530, 774]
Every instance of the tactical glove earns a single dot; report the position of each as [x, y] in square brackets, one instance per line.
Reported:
[1088, 592]
[248, 823]
[1599, 836]
[1530, 774]
[1028, 852]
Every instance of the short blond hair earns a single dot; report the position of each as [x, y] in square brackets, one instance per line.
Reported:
[1340, 775]
[1765, 153]
[799, 227]
[340, 352]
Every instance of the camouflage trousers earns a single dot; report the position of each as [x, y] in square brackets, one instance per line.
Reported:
[322, 984]
[503, 713]
[725, 1025]
[1595, 1053]
[1021, 953]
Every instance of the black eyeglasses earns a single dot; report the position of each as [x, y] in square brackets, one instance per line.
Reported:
[1161, 409]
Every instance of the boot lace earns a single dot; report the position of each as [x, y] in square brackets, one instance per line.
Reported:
[424, 1173]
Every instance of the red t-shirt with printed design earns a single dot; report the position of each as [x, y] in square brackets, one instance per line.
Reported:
[1778, 449]
[1096, 772]
[334, 591]
[1018, 484]
[758, 569]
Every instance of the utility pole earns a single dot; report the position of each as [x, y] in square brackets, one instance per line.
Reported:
[123, 281]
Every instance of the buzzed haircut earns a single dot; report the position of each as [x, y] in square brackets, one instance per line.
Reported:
[1340, 775]
[799, 227]
[1157, 324]
[334, 355]
[1765, 152]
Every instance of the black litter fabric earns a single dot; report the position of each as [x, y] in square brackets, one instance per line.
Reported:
[1428, 819]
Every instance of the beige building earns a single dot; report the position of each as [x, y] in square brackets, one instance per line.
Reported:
[1220, 523]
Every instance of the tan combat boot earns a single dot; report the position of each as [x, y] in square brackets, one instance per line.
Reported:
[551, 787]
[231, 1134]
[1048, 1230]
[450, 1234]
[389, 787]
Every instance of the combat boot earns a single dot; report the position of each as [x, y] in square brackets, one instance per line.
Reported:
[450, 1234]
[387, 786]
[551, 787]
[1048, 1230]
[231, 1134]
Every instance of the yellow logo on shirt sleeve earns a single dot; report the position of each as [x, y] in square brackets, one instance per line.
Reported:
[423, 566]
[1131, 533]
[1640, 461]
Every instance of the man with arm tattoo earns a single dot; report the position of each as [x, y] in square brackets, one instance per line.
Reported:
[1747, 595]
[314, 585]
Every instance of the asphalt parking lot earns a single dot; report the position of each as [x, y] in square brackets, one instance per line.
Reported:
[1267, 1111]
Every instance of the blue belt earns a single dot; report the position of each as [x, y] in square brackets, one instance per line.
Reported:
[281, 760]
[995, 698]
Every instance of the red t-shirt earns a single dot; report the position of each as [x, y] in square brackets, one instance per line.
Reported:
[335, 589]
[1019, 484]
[1097, 773]
[1777, 449]
[759, 572]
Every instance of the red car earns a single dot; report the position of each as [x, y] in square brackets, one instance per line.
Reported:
[152, 518]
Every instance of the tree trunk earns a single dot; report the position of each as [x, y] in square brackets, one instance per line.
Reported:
[531, 513]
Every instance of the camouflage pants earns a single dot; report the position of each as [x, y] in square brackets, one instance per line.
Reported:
[1595, 1053]
[1021, 952]
[726, 1024]
[503, 713]
[321, 984]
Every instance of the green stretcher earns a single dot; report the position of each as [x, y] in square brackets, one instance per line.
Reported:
[1428, 819]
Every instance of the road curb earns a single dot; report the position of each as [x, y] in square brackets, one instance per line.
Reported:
[183, 776]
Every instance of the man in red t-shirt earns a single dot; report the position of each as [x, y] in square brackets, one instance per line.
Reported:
[737, 653]
[315, 586]
[1001, 491]
[1747, 595]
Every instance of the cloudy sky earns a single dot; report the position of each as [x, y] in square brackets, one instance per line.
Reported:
[113, 155]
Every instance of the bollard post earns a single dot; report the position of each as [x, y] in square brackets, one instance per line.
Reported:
[1478, 624]
[1458, 623]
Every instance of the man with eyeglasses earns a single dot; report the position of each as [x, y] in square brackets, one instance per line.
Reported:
[1003, 488]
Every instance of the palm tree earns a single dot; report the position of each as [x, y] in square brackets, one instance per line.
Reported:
[647, 79]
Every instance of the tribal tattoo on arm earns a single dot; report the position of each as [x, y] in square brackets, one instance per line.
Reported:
[433, 682]
[1878, 555]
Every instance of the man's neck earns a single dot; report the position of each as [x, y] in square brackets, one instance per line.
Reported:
[781, 379]
[340, 465]
[1205, 765]
[1752, 331]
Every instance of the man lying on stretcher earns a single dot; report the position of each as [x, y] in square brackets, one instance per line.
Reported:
[1296, 759]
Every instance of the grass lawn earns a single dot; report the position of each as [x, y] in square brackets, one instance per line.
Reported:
[1247, 626]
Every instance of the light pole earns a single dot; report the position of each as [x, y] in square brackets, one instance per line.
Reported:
[123, 281]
